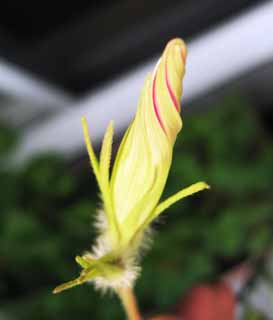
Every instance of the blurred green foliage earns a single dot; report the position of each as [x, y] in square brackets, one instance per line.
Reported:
[251, 314]
[47, 210]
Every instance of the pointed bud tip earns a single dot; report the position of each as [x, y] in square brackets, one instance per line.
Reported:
[178, 44]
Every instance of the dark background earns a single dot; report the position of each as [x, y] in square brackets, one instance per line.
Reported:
[79, 45]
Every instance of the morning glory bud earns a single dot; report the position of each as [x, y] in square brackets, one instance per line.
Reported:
[131, 194]
[145, 156]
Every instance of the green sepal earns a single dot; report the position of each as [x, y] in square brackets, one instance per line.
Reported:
[86, 275]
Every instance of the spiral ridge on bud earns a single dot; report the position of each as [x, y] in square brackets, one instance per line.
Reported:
[145, 155]
[167, 86]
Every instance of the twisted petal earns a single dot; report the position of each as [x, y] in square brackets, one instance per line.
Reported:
[144, 158]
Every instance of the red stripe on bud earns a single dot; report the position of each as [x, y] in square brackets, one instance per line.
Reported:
[155, 103]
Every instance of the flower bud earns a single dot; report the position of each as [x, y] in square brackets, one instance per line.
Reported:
[145, 155]
[130, 196]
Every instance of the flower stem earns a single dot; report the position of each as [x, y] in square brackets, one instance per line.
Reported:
[129, 302]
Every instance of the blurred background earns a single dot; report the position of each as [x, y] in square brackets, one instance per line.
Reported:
[90, 58]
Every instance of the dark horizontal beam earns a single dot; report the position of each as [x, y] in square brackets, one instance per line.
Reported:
[105, 42]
